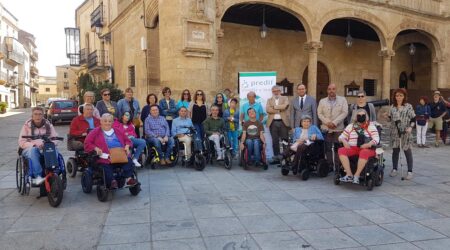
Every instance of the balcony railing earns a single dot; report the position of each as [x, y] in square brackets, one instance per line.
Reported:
[98, 60]
[14, 50]
[34, 71]
[84, 55]
[97, 17]
[34, 55]
[432, 7]
[2, 50]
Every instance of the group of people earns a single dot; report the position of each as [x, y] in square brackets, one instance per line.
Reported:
[111, 124]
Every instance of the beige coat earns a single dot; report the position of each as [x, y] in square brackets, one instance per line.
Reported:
[281, 108]
[335, 114]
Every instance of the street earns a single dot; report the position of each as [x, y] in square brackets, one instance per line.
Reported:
[180, 208]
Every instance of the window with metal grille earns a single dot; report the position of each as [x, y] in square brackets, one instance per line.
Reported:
[370, 87]
[47, 89]
[65, 74]
[132, 76]
[66, 85]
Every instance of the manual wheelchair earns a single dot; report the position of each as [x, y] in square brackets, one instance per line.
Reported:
[211, 152]
[151, 157]
[245, 158]
[95, 175]
[54, 170]
[199, 155]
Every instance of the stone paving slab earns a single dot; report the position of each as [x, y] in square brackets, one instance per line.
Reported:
[180, 208]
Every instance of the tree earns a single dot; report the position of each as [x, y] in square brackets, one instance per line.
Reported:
[86, 83]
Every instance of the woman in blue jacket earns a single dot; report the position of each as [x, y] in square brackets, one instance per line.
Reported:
[168, 106]
[423, 112]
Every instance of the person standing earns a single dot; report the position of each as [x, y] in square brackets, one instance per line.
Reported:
[106, 105]
[278, 123]
[199, 110]
[302, 105]
[131, 105]
[251, 96]
[332, 111]
[438, 111]
[423, 112]
[402, 117]
[89, 97]
[361, 103]
[185, 100]
[231, 117]
[168, 106]
[221, 102]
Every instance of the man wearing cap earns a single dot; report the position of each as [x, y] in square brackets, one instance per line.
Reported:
[438, 111]
[277, 121]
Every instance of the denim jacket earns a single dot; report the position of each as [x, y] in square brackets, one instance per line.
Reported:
[170, 110]
[123, 106]
[311, 130]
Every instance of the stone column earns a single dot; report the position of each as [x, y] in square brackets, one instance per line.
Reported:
[441, 72]
[313, 49]
[386, 84]
[434, 73]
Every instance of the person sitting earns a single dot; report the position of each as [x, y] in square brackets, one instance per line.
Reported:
[102, 140]
[253, 137]
[126, 124]
[214, 127]
[32, 149]
[80, 126]
[307, 139]
[358, 139]
[180, 129]
[157, 133]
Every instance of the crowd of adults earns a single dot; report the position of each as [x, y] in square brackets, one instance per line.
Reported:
[332, 121]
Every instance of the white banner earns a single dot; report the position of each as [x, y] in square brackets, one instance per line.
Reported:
[261, 83]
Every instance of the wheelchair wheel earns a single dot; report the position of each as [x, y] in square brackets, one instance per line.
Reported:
[265, 166]
[337, 180]
[305, 174]
[244, 160]
[379, 178]
[19, 174]
[102, 193]
[284, 171]
[322, 168]
[86, 182]
[175, 153]
[136, 189]
[143, 158]
[227, 159]
[72, 167]
[370, 184]
[55, 195]
[199, 162]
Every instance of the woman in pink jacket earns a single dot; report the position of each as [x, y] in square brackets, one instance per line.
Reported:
[125, 123]
[103, 138]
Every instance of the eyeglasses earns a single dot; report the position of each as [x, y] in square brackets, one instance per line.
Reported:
[106, 94]
[361, 96]
[199, 93]
[38, 114]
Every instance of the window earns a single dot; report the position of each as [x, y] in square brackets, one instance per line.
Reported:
[65, 75]
[66, 85]
[370, 87]
[131, 76]
[47, 89]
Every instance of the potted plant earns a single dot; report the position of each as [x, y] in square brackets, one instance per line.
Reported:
[3, 106]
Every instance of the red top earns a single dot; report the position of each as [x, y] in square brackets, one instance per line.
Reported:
[79, 125]
[128, 129]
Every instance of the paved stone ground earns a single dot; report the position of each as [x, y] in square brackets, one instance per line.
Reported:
[219, 209]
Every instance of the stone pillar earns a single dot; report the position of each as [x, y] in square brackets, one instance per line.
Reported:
[313, 49]
[386, 84]
[441, 73]
[434, 73]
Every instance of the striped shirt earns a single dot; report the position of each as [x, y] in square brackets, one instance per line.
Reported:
[351, 135]
[156, 127]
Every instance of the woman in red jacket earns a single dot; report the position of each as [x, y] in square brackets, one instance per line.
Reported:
[102, 139]
[126, 124]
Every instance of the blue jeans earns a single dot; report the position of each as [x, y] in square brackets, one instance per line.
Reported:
[138, 145]
[157, 144]
[34, 155]
[109, 171]
[254, 149]
[199, 128]
[233, 139]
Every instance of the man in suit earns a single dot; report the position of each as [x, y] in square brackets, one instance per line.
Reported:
[332, 111]
[302, 105]
[278, 123]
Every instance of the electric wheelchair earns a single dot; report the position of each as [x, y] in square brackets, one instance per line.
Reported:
[211, 152]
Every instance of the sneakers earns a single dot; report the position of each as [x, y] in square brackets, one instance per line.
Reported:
[168, 161]
[136, 163]
[129, 182]
[393, 173]
[346, 179]
[38, 180]
[409, 176]
[162, 162]
[219, 155]
[114, 184]
[355, 179]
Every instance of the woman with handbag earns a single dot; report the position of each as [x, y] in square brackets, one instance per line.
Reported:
[422, 115]
[130, 104]
[113, 147]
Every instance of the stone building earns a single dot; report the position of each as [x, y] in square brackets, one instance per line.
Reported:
[203, 44]
[28, 73]
[47, 89]
[66, 81]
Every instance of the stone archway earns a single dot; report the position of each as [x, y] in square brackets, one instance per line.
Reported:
[151, 14]
[323, 79]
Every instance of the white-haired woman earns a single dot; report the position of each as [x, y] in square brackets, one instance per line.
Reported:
[358, 138]
[104, 138]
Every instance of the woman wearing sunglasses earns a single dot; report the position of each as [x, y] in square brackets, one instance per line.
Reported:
[106, 105]
[199, 110]
[361, 103]
[185, 100]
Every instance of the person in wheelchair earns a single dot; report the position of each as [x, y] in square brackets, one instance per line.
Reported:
[80, 126]
[214, 127]
[157, 133]
[32, 149]
[307, 139]
[358, 139]
[102, 140]
[180, 130]
[253, 137]
[125, 123]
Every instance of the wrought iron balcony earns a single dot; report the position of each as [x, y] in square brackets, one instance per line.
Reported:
[97, 17]
[34, 71]
[84, 55]
[34, 55]
[14, 51]
[98, 60]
